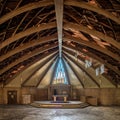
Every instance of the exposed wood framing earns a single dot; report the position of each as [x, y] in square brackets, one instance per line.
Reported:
[82, 68]
[40, 66]
[91, 45]
[44, 73]
[33, 62]
[75, 72]
[27, 32]
[28, 45]
[90, 7]
[27, 56]
[71, 48]
[25, 8]
[82, 28]
[54, 71]
[20, 23]
[66, 71]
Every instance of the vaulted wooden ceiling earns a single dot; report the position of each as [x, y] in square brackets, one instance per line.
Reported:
[30, 30]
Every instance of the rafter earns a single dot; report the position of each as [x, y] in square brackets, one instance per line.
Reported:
[90, 7]
[54, 71]
[3, 5]
[82, 28]
[28, 45]
[27, 56]
[20, 23]
[18, 4]
[87, 72]
[33, 18]
[75, 72]
[33, 62]
[35, 71]
[45, 71]
[27, 32]
[71, 48]
[66, 71]
[91, 45]
[25, 8]
[82, 68]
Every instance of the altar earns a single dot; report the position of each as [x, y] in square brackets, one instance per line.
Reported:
[60, 96]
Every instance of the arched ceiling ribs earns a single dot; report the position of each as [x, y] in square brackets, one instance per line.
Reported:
[90, 21]
[27, 32]
[39, 22]
[92, 55]
[81, 67]
[91, 45]
[27, 56]
[90, 7]
[69, 25]
[54, 71]
[30, 64]
[25, 8]
[75, 72]
[66, 71]
[46, 70]
[40, 66]
[28, 45]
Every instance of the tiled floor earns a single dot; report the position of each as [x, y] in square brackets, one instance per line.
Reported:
[21, 112]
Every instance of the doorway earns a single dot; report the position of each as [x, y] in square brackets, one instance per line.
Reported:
[12, 97]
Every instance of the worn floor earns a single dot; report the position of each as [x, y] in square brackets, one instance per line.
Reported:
[21, 112]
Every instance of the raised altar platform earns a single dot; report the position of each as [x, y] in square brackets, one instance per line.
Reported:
[60, 96]
[52, 104]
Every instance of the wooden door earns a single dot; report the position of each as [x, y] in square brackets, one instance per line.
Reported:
[12, 97]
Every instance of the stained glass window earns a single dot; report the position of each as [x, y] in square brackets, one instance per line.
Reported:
[60, 75]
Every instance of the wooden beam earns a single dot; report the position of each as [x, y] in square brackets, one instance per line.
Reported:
[79, 27]
[33, 62]
[92, 55]
[90, 7]
[27, 32]
[28, 45]
[44, 73]
[3, 5]
[82, 68]
[54, 71]
[20, 23]
[75, 72]
[66, 71]
[35, 71]
[27, 56]
[59, 19]
[93, 78]
[25, 8]
[20, 1]
[92, 46]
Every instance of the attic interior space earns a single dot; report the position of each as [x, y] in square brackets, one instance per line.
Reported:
[60, 47]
